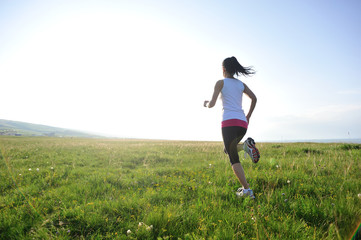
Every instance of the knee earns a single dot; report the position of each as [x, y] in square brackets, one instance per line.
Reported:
[234, 161]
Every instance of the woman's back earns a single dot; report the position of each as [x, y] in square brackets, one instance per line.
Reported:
[232, 93]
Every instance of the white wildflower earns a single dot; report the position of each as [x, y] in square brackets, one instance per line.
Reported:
[149, 228]
[359, 195]
[52, 168]
[129, 232]
[37, 169]
[29, 169]
[288, 181]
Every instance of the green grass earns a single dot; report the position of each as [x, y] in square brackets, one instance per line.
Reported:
[100, 189]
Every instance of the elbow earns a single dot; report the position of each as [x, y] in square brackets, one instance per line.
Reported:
[254, 99]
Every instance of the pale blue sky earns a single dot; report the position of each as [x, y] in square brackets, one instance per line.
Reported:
[143, 68]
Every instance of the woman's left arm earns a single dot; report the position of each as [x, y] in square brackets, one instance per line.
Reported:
[217, 89]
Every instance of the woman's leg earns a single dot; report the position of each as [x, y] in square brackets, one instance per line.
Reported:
[231, 137]
[240, 147]
[238, 171]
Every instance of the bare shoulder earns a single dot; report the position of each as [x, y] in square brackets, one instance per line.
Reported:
[219, 84]
[246, 88]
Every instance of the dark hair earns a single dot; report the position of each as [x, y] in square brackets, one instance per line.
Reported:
[232, 66]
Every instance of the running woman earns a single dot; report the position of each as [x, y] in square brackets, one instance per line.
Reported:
[235, 122]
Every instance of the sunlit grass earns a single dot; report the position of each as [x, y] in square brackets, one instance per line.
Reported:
[133, 189]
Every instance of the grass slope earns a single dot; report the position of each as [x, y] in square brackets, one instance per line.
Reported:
[129, 189]
[29, 129]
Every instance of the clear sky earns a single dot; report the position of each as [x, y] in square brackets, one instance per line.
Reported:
[142, 69]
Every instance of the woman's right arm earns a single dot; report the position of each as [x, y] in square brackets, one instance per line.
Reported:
[253, 98]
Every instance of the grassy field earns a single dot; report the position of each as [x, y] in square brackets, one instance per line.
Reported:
[56, 188]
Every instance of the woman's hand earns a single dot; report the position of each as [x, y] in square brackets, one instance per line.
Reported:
[205, 103]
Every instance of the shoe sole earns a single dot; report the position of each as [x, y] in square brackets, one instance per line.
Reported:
[251, 145]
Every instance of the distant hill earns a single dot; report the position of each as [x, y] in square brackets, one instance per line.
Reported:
[15, 128]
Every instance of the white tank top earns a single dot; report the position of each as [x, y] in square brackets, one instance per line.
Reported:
[232, 93]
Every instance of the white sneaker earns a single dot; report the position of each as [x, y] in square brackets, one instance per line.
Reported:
[241, 192]
[249, 148]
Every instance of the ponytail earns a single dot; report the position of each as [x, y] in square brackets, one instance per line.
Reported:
[232, 66]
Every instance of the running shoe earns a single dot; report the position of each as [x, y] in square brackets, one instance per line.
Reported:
[249, 147]
[241, 192]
